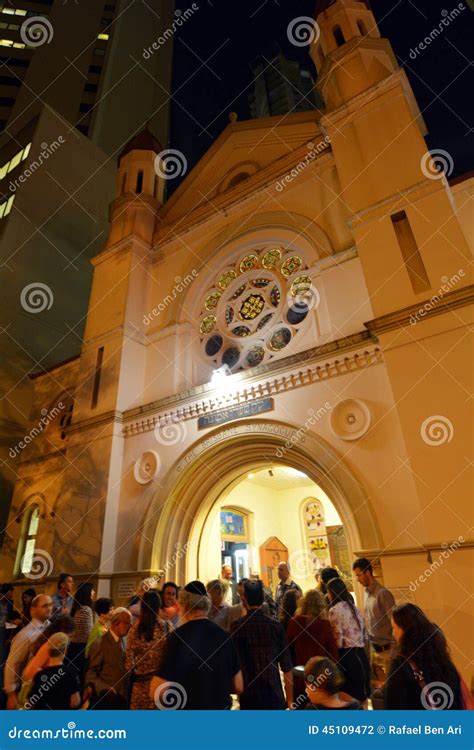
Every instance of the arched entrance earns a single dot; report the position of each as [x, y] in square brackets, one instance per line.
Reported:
[214, 464]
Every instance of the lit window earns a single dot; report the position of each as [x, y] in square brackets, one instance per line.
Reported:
[20, 12]
[4, 170]
[2, 209]
[6, 42]
[103, 36]
[19, 45]
[9, 205]
[9, 11]
[29, 542]
[15, 161]
[26, 151]
[3, 25]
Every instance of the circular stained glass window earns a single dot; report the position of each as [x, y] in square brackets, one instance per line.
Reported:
[226, 279]
[212, 300]
[275, 296]
[213, 345]
[231, 356]
[241, 331]
[263, 322]
[251, 307]
[297, 314]
[207, 324]
[291, 265]
[248, 263]
[255, 356]
[280, 339]
[238, 292]
[271, 258]
[301, 284]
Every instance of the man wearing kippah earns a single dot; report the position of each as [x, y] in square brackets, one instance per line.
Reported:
[200, 668]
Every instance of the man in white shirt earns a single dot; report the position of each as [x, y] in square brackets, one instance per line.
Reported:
[221, 613]
[41, 610]
[231, 595]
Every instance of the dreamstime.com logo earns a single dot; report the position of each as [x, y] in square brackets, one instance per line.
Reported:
[314, 417]
[179, 287]
[171, 696]
[180, 19]
[41, 565]
[170, 163]
[47, 417]
[67, 733]
[181, 551]
[170, 434]
[302, 31]
[445, 288]
[436, 164]
[36, 31]
[36, 297]
[47, 149]
[436, 564]
[437, 430]
[314, 149]
[446, 18]
[437, 696]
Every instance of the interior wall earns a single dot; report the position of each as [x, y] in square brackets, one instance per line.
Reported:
[273, 512]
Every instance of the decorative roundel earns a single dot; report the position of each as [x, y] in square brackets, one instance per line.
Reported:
[254, 308]
[350, 419]
[147, 467]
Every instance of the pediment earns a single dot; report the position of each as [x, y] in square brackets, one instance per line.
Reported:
[243, 151]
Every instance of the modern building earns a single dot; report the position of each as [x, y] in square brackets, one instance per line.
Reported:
[275, 360]
[281, 86]
[66, 71]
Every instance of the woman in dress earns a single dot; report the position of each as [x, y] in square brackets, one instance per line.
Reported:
[309, 632]
[145, 644]
[83, 616]
[350, 636]
[422, 675]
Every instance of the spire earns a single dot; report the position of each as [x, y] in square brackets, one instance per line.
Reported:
[142, 141]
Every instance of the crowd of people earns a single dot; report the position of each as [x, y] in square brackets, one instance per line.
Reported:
[224, 645]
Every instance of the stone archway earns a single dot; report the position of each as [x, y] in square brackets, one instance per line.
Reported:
[214, 463]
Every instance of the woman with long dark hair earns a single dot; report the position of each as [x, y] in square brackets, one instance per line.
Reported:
[350, 635]
[288, 606]
[83, 616]
[422, 675]
[145, 644]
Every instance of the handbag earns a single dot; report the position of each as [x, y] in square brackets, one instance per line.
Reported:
[466, 697]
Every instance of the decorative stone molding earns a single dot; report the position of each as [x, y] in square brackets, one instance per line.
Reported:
[286, 377]
[350, 419]
[146, 467]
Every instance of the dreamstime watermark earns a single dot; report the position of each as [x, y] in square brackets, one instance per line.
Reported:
[447, 285]
[36, 297]
[47, 149]
[446, 19]
[436, 564]
[312, 684]
[302, 31]
[301, 563]
[180, 18]
[41, 565]
[170, 163]
[437, 164]
[46, 684]
[36, 31]
[170, 696]
[314, 150]
[179, 287]
[437, 430]
[313, 418]
[437, 696]
[64, 733]
[172, 433]
[181, 551]
[46, 418]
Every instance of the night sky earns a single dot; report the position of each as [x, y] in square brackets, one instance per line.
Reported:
[214, 48]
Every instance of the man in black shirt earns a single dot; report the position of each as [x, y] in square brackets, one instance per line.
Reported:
[200, 666]
[262, 646]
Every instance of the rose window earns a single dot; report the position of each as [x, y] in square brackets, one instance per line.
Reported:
[255, 308]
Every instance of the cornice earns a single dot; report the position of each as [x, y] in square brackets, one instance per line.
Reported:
[401, 318]
[314, 365]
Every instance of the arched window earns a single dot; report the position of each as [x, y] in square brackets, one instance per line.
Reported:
[28, 541]
[361, 27]
[240, 177]
[315, 533]
[338, 36]
[139, 187]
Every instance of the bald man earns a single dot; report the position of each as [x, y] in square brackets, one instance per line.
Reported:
[41, 611]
